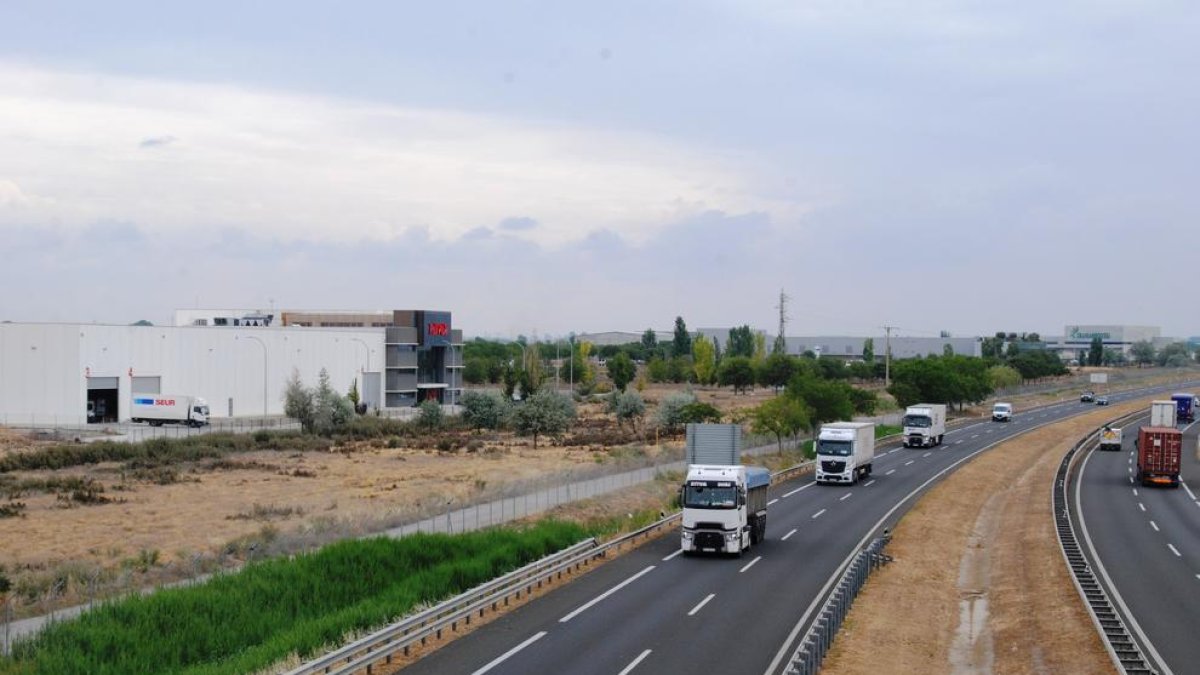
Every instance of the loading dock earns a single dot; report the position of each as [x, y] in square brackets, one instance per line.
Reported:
[102, 399]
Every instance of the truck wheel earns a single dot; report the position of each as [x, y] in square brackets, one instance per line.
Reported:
[940, 437]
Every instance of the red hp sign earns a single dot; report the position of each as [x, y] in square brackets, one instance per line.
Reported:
[439, 329]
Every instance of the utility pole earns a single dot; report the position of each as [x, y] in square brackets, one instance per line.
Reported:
[887, 356]
[780, 346]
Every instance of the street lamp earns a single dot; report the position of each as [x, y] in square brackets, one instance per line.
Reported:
[264, 348]
[366, 347]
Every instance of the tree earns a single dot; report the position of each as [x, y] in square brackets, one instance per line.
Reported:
[330, 410]
[1113, 357]
[544, 413]
[682, 342]
[779, 346]
[826, 401]
[627, 407]
[658, 370]
[679, 369]
[863, 400]
[532, 373]
[1095, 355]
[511, 377]
[737, 372]
[1142, 353]
[832, 368]
[1003, 377]
[650, 342]
[741, 342]
[429, 415]
[947, 349]
[869, 351]
[670, 410]
[760, 348]
[298, 401]
[352, 395]
[704, 359]
[1174, 355]
[697, 412]
[776, 371]
[484, 410]
[621, 370]
[782, 416]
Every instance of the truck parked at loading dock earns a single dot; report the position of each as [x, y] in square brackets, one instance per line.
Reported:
[845, 451]
[924, 425]
[1158, 453]
[724, 503]
[160, 409]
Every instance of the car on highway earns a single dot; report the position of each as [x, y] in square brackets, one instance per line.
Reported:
[1087, 397]
[1002, 412]
[1101, 400]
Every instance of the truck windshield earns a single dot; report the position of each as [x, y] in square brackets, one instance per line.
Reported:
[917, 421]
[1003, 408]
[839, 448]
[700, 497]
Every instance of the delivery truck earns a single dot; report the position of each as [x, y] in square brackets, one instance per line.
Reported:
[724, 503]
[924, 425]
[1185, 407]
[160, 409]
[1110, 438]
[1159, 450]
[1162, 414]
[845, 451]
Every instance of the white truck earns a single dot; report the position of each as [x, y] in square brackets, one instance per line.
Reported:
[1162, 414]
[924, 425]
[724, 503]
[845, 451]
[1110, 438]
[724, 508]
[160, 409]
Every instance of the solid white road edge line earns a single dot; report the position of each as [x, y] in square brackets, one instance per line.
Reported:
[700, 606]
[635, 663]
[1113, 593]
[503, 657]
[785, 649]
[604, 595]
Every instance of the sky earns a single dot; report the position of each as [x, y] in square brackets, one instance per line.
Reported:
[540, 168]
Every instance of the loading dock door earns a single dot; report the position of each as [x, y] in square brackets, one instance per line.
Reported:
[147, 385]
[102, 399]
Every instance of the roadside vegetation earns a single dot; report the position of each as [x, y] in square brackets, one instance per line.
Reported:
[243, 622]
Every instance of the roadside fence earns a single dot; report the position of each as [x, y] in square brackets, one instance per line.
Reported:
[807, 658]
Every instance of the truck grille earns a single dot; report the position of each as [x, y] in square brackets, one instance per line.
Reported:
[710, 540]
[833, 466]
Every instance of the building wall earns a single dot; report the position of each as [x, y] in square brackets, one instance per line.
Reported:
[44, 367]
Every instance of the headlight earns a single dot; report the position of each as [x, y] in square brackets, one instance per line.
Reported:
[687, 535]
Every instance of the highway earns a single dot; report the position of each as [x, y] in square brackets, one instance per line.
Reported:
[655, 611]
[1147, 540]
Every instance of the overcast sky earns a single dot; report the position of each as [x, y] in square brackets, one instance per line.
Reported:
[545, 167]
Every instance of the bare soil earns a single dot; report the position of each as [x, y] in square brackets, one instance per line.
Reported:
[978, 583]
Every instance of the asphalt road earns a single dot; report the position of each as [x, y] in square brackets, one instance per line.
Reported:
[1148, 543]
[654, 611]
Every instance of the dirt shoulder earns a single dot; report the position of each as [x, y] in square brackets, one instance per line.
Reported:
[978, 583]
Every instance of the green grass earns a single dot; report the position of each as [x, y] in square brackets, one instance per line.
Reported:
[882, 430]
[244, 622]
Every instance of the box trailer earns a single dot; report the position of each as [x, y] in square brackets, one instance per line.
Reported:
[1162, 413]
[160, 409]
[924, 425]
[1159, 450]
[845, 451]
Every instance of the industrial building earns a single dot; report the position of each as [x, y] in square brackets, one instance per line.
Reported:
[1077, 339]
[53, 373]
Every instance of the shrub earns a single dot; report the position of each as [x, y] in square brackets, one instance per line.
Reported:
[670, 410]
[627, 407]
[546, 412]
[429, 415]
[485, 410]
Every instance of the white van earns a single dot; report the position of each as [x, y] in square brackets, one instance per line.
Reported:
[1002, 412]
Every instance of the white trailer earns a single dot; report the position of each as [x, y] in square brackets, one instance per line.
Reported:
[924, 425]
[845, 451]
[160, 409]
[1162, 414]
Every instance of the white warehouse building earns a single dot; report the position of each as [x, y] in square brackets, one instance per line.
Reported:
[49, 373]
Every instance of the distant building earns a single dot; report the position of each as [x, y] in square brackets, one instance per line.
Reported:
[616, 337]
[1076, 339]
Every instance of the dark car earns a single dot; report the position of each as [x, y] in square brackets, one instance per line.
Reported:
[1087, 397]
[1102, 400]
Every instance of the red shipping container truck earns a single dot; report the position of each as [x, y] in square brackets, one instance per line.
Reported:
[1159, 452]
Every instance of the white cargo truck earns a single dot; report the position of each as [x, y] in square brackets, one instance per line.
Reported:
[1162, 414]
[924, 425]
[845, 451]
[160, 409]
[724, 503]
[1110, 438]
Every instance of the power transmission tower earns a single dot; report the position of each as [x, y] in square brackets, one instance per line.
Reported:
[780, 346]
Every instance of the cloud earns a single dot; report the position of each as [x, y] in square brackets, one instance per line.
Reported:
[157, 141]
[477, 233]
[328, 169]
[518, 224]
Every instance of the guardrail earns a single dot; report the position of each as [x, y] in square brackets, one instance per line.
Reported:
[1122, 649]
[399, 638]
[807, 658]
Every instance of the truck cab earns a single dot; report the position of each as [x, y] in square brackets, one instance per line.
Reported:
[845, 451]
[724, 508]
[924, 425]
